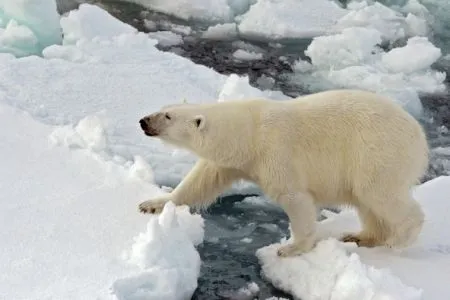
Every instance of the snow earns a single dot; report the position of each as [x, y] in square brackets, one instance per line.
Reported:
[335, 270]
[76, 159]
[168, 269]
[128, 78]
[27, 27]
[70, 215]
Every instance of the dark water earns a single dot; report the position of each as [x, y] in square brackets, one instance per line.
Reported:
[229, 263]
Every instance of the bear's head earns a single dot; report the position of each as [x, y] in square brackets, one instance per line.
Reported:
[176, 125]
[213, 131]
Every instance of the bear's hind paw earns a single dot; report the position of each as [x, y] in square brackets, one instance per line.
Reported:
[293, 249]
[360, 240]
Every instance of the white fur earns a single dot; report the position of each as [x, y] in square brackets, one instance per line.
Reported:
[336, 147]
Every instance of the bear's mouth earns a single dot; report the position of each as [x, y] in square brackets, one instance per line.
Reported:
[150, 132]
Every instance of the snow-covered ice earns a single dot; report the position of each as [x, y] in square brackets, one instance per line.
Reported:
[166, 38]
[166, 256]
[201, 10]
[287, 19]
[128, 78]
[68, 216]
[27, 27]
[221, 32]
[74, 157]
[352, 57]
[334, 270]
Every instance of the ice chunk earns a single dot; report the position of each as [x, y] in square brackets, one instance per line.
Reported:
[287, 19]
[227, 31]
[416, 26]
[166, 256]
[88, 133]
[238, 88]
[330, 272]
[203, 10]
[352, 59]
[247, 55]
[335, 270]
[166, 38]
[351, 47]
[377, 16]
[90, 21]
[27, 27]
[418, 55]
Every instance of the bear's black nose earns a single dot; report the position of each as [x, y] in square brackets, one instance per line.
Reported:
[143, 124]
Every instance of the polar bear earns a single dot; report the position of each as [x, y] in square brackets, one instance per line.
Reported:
[344, 147]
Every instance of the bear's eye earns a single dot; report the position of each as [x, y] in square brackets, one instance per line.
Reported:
[167, 116]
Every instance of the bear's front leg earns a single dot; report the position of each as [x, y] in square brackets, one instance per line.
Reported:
[200, 187]
[301, 212]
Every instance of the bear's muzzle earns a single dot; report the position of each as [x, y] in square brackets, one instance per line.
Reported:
[146, 125]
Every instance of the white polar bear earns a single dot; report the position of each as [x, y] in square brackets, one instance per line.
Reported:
[336, 147]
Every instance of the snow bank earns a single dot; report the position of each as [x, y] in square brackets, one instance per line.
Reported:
[334, 270]
[165, 254]
[247, 55]
[281, 19]
[27, 27]
[77, 214]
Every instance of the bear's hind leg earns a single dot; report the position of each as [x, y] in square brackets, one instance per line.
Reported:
[374, 230]
[401, 216]
[301, 212]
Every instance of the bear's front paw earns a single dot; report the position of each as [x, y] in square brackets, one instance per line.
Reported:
[152, 207]
[294, 248]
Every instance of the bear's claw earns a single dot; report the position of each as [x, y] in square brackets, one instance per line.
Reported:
[359, 239]
[150, 207]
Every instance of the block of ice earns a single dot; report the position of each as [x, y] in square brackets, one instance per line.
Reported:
[388, 22]
[90, 21]
[27, 27]
[278, 19]
[203, 10]
[417, 55]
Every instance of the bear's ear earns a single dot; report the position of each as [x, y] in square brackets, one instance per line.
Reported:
[200, 121]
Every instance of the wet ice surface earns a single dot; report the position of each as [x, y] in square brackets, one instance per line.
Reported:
[233, 231]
